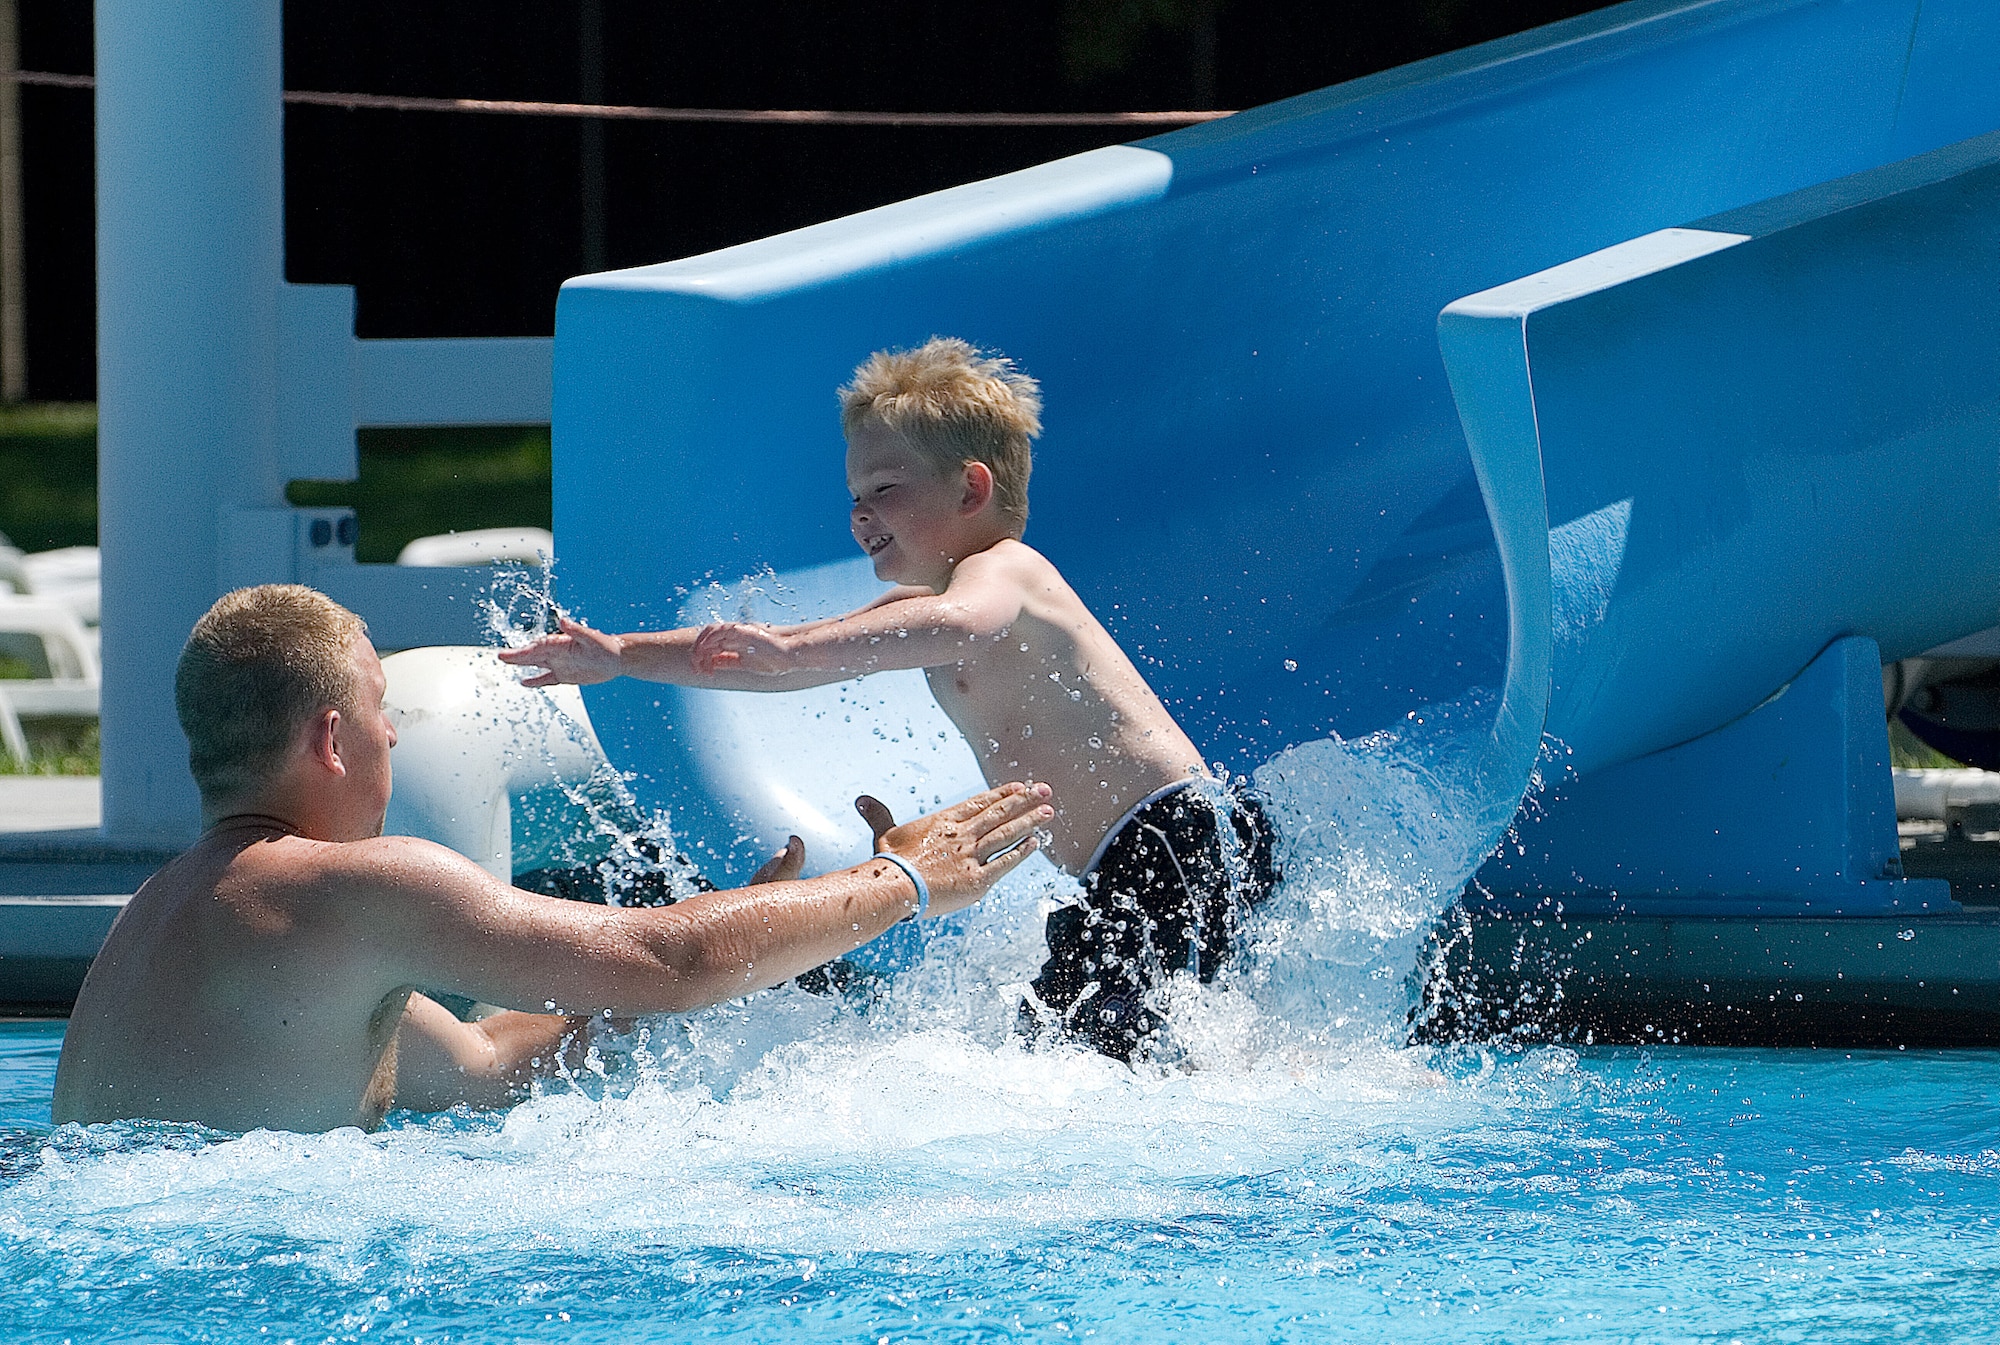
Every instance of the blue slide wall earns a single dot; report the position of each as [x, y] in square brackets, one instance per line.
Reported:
[1765, 442]
[1254, 470]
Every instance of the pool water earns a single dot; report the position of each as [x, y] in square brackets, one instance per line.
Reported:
[894, 1165]
[920, 1185]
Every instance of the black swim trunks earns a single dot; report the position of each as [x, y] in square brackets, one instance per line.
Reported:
[1162, 895]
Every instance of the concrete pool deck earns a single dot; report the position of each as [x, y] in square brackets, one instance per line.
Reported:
[1732, 980]
[50, 803]
[1849, 981]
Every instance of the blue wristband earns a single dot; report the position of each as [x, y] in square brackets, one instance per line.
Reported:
[923, 888]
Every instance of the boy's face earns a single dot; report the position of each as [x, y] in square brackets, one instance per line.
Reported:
[907, 515]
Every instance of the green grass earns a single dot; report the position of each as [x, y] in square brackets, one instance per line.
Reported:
[423, 481]
[56, 747]
[48, 474]
[413, 482]
[1908, 752]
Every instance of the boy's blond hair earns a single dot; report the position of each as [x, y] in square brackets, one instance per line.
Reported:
[955, 404]
[259, 664]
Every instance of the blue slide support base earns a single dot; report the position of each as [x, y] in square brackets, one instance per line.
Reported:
[1786, 811]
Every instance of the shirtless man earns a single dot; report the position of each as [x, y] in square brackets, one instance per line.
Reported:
[270, 977]
[938, 459]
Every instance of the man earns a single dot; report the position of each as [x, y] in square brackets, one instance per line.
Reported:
[270, 976]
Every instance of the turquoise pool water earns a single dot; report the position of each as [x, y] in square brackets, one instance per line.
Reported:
[894, 1166]
[918, 1185]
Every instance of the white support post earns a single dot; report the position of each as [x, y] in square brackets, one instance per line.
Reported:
[218, 383]
[190, 258]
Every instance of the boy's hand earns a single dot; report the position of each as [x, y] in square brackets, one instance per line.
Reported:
[577, 655]
[733, 647]
[966, 848]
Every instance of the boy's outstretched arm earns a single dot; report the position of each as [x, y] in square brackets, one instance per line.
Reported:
[907, 628]
[936, 627]
[578, 655]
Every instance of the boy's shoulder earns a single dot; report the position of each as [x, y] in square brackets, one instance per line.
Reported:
[1019, 569]
[1012, 565]
[1010, 556]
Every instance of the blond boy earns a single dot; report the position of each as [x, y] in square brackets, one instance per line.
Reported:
[938, 457]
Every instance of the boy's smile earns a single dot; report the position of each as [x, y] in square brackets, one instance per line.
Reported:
[915, 522]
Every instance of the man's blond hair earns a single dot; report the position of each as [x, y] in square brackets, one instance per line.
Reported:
[259, 665]
[954, 404]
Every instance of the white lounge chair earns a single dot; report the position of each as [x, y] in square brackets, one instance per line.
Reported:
[481, 546]
[48, 633]
[68, 575]
[13, 573]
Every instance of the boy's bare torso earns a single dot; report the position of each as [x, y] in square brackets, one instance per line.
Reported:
[1053, 698]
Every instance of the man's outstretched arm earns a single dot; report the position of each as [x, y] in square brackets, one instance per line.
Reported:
[433, 918]
[442, 1062]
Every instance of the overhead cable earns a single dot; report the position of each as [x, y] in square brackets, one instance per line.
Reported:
[380, 102]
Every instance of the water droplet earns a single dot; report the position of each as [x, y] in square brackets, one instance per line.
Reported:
[1291, 665]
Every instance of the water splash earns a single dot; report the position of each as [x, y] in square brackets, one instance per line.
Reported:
[1378, 836]
[520, 603]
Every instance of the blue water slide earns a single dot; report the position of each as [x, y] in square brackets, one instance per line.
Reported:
[1255, 470]
[1770, 442]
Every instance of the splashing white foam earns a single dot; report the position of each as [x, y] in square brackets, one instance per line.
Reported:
[907, 1112]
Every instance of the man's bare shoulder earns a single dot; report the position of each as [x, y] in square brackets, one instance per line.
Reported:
[364, 874]
[403, 867]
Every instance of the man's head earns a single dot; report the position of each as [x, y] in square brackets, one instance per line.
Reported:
[967, 418]
[278, 678]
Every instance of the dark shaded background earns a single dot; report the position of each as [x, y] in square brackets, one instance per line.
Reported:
[457, 225]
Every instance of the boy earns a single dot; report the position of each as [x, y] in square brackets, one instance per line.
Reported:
[938, 456]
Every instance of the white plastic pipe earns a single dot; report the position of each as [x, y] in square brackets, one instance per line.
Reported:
[469, 738]
[1927, 794]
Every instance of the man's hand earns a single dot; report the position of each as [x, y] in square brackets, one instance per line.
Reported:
[782, 867]
[577, 655]
[966, 848]
[734, 647]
